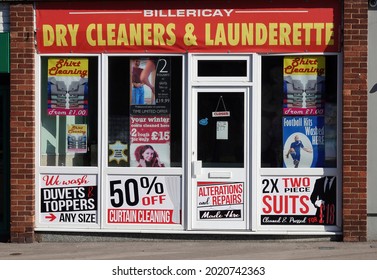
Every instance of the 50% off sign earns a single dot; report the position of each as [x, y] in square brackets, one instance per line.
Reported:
[139, 191]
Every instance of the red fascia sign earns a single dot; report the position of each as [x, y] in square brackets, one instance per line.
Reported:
[188, 26]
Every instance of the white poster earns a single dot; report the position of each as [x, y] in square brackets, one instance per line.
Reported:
[294, 200]
[143, 200]
[220, 201]
[68, 199]
[222, 130]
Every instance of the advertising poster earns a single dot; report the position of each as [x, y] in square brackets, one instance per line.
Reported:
[150, 112]
[118, 139]
[187, 26]
[67, 87]
[118, 152]
[299, 201]
[68, 199]
[304, 85]
[220, 201]
[77, 138]
[304, 141]
[144, 200]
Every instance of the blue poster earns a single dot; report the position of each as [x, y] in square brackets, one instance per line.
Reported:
[304, 141]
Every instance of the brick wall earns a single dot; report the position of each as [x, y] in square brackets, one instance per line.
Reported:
[355, 120]
[22, 122]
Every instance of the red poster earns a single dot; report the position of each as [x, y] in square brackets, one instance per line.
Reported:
[181, 26]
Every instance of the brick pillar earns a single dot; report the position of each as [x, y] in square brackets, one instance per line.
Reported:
[355, 98]
[22, 123]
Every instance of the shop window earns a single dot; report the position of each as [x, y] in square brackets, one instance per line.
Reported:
[221, 140]
[69, 111]
[299, 111]
[221, 69]
[145, 111]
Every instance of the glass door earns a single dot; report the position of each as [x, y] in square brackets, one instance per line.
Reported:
[4, 162]
[219, 158]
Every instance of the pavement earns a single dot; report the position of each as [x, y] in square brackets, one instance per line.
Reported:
[134, 249]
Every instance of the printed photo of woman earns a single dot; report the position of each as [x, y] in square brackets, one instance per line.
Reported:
[146, 156]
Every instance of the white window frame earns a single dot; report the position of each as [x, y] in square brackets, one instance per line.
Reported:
[302, 172]
[248, 81]
[190, 81]
[196, 79]
[64, 170]
[166, 171]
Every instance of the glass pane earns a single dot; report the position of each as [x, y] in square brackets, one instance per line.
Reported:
[222, 68]
[221, 129]
[69, 111]
[299, 109]
[4, 154]
[145, 111]
[2, 160]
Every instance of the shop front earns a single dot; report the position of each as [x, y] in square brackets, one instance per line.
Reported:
[189, 117]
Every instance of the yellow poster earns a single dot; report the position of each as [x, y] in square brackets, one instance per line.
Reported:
[77, 138]
[304, 85]
[67, 87]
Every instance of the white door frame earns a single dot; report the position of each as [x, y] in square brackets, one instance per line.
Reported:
[236, 179]
[246, 83]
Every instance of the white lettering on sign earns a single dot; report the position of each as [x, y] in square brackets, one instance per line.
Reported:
[160, 216]
[189, 13]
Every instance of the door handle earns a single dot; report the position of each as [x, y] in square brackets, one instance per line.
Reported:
[196, 168]
[225, 175]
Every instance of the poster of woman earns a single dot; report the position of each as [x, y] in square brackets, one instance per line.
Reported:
[150, 120]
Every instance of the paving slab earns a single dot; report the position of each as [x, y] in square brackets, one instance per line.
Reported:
[190, 250]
